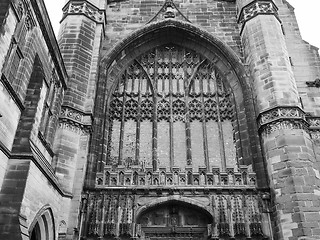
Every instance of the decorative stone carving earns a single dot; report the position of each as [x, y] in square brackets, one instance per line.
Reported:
[75, 120]
[256, 8]
[112, 214]
[85, 8]
[22, 9]
[314, 129]
[282, 118]
[113, 177]
[315, 83]
[285, 125]
[171, 87]
[169, 10]
[30, 22]
[314, 122]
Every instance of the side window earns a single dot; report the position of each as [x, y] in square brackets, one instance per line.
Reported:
[15, 53]
[13, 62]
[49, 93]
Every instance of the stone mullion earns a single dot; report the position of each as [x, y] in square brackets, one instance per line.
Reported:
[138, 118]
[123, 119]
[103, 212]
[221, 139]
[155, 117]
[187, 124]
[204, 127]
[171, 112]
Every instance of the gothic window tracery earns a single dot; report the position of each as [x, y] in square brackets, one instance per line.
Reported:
[171, 107]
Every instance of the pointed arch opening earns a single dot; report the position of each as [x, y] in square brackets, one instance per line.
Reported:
[172, 107]
[43, 226]
[161, 110]
[174, 219]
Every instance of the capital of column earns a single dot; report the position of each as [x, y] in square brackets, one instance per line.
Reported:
[249, 9]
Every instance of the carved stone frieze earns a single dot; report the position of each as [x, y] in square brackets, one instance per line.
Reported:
[314, 122]
[134, 177]
[284, 125]
[85, 8]
[315, 83]
[314, 129]
[115, 214]
[282, 118]
[169, 10]
[22, 9]
[75, 120]
[256, 8]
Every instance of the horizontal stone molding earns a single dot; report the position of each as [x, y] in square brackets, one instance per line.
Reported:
[84, 8]
[176, 177]
[282, 117]
[249, 205]
[75, 120]
[255, 8]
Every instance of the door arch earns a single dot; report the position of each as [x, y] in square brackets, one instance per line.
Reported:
[173, 219]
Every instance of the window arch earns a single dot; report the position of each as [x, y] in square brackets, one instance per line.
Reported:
[172, 107]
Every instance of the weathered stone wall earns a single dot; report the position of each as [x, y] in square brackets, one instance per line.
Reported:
[304, 57]
[9, 112]
[278, 61]
[44, 194]
[28, 183]
[80, 36]
[216, 17]
[286, 142]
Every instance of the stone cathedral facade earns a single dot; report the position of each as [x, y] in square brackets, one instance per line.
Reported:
[158, 119]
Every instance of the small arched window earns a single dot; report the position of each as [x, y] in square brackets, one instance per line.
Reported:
[43, 225]
[172, 107]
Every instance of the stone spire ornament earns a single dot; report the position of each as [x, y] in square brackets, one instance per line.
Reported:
[170, 9]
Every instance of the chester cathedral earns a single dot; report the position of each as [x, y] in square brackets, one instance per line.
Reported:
[158, 120]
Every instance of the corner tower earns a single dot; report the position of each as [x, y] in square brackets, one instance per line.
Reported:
[286, 143]
[81, 33]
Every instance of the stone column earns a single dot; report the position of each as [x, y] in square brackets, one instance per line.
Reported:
[287, 147]
[80, 37]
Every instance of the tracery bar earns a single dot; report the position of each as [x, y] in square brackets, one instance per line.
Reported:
[122, 119]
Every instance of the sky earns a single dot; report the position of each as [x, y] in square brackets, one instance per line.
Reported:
[307, 13]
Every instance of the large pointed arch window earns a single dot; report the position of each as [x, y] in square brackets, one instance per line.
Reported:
[172, 107]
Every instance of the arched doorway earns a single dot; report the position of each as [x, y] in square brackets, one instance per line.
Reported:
[35, 234]
[174, 220]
